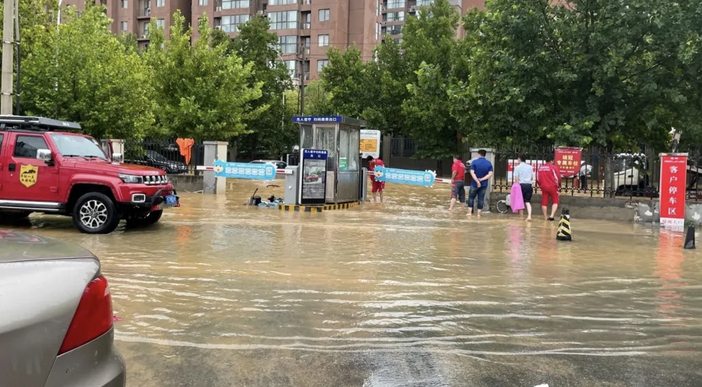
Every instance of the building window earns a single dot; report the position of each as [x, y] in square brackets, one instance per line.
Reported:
[291, 65]
[160, 3]
[234, 4]
[395, 16]
[323, 15]
[125, 26]
[125, 4]
[161, 23]
[396, 4]
[323, 40]
[321, 64]
[201, 2]
[377, 31]
[283, 20]
[394, 30]
[232, 23]
[281, 2]
[288, 44]
[424, 2]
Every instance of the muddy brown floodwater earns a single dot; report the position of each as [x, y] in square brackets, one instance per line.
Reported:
[400, 294]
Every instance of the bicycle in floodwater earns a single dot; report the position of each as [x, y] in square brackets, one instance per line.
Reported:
[503, 206]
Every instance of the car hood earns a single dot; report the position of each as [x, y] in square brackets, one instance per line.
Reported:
[17, 246]
[127, 169]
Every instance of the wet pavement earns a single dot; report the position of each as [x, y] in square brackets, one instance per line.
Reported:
[399, 294]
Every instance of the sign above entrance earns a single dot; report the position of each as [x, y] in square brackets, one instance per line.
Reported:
[404, 176]
[316, 119]
[370, 143]
[244, 170]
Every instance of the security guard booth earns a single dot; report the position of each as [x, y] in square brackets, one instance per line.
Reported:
[340, 137]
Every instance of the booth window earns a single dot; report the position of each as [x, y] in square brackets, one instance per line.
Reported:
[326, 140]
[307, 140]
[348, 149]
[343, 149]
[354, 149]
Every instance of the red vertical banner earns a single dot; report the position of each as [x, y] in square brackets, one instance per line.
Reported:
[568, 160]
[672, 188]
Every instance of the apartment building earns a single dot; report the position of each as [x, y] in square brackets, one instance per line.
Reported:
[134, 16]
[306, 29]
[395, 12]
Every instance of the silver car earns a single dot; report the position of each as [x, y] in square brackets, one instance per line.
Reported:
[55, 316]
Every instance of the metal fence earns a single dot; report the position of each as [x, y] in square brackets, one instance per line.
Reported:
[164, 154]
[634, 174]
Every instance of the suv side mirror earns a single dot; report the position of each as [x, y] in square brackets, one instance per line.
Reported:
[117, 158]
[44, 155]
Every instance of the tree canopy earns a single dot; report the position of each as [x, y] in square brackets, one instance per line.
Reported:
[80, 72]
[200, 91]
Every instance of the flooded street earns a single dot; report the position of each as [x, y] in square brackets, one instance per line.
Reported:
[399, 294]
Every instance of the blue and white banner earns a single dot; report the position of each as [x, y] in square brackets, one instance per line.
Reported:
[404, 176]
[316, 119]
[244, 170]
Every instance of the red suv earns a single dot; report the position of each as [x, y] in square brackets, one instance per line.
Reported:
[46, 166]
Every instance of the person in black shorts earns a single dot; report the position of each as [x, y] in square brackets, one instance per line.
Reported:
[523, 175]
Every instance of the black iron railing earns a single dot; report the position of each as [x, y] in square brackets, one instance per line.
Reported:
[164, 154]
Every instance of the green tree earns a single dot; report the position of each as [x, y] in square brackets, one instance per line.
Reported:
[606, 73]
[393, 75]
[129, 42]
[317, 100]
[200, 91]
[272, 133]
[351, 84]
[430, 51]
[80, 72]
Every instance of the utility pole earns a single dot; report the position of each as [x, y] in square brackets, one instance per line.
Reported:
[302, 78]
[7, 51]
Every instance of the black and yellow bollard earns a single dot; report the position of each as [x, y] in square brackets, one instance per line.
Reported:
[690, 238]
[564, 233]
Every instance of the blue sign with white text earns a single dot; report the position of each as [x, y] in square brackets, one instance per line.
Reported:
[316, 119]
[315, 154]
[244, 170]
[404, 176]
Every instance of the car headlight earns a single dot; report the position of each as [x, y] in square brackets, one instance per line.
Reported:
[131, 179]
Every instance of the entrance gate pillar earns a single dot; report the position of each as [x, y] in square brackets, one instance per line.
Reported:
[214, 150]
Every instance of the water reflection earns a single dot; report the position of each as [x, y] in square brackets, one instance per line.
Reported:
[397, 290]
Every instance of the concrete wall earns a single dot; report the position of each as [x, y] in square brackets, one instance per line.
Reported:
[616, 209]
[186, 183]
[649, 211]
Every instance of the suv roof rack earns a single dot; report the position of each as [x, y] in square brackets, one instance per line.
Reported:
[37, 123]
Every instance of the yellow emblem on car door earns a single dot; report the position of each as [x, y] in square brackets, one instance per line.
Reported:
[28, 175]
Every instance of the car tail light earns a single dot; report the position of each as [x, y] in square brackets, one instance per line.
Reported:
[93, 316]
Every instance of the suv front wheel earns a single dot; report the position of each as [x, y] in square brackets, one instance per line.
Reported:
[95, 213]
[144, 219]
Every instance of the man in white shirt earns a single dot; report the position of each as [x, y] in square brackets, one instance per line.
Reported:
[522, 175]
[585, 171]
